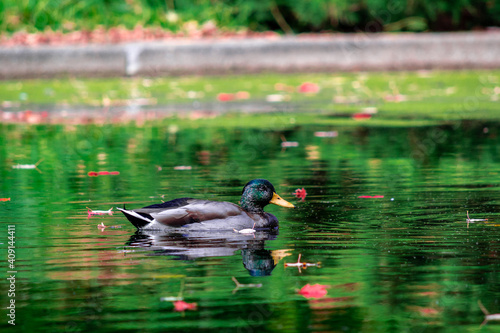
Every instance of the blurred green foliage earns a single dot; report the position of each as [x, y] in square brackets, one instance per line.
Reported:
[278, 15]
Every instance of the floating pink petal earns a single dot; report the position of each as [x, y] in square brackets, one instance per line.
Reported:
[314, 291]
[183, 306]
[242, 95]
[225, 97]
[361, 116]
[308, 88]
[273, 98]
[300, 193]
[183, 167]
[285, 144]
[91, 212]
[395, 98]
[102, 173]
[331, 134]
[428, 311]
[283, 87]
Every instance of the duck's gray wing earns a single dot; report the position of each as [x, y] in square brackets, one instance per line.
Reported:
[181, 212]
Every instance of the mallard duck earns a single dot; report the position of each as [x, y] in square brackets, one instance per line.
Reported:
[195, 214]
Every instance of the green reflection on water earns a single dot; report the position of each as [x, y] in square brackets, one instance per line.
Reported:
[405, 262]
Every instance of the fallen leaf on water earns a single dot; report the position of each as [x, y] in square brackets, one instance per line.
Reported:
[314, 291]
[246, 231]
[275, 98]
[285, 144]
[241, 285]
[170, 298]
[428, 293]
[487, 315]
[469, 220]
[242, 95]
[91, 212]
[303, 265]
[27, 166]
[369, 110]
[331, 134]
[183, 167]
[427, 312]
[283, 87]
[183, 306]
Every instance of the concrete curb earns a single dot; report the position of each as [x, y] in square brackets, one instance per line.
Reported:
[342, 52]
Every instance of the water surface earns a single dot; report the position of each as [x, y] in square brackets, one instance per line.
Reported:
[404, 262]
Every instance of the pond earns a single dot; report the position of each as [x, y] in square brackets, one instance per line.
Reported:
[384, 225]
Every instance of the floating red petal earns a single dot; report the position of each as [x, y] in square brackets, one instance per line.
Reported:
[183, 306]
[225, 97]
[308, 88]
[300, 193]
[102, 173]
[361, 116]
[314, 291]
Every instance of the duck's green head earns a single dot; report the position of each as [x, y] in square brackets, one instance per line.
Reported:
[258, 193]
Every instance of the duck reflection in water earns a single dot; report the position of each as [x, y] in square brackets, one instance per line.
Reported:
[193, 228]
[256, 259]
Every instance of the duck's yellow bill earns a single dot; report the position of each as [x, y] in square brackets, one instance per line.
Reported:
[280, 202]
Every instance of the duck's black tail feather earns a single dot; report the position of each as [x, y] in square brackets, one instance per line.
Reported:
[135, 218]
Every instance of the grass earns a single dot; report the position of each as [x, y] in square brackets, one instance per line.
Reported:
[398, 98]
